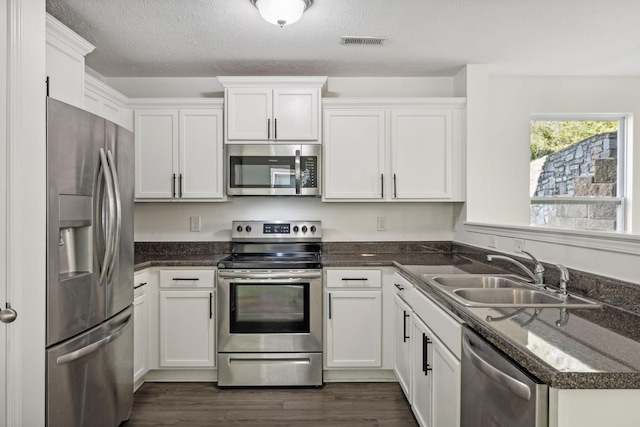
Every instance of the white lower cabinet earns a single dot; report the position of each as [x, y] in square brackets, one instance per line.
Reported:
[187, 335]
[354, 329]
[435, 379]
[353, 318]
[402, 345]
[427, 362]
[187, 318]
[140, 329]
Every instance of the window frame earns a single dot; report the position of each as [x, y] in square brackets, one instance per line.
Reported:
[621, 201]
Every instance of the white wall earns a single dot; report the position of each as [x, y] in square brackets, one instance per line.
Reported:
[497, 181]
[209, 87]
[340, 221]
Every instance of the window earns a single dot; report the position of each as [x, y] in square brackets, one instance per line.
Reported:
[576, 172]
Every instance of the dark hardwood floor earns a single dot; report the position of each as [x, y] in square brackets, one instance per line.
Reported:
[334, 405]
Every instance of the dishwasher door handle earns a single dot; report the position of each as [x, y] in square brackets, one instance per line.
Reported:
[518, 388]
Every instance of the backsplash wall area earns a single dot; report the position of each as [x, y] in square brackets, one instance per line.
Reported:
[165, 222]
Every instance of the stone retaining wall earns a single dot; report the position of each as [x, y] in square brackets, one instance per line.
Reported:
[586, 168]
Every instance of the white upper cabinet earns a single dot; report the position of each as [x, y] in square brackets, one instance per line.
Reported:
[65, 52]
[179, 154]
[421, 149]
[106, 102]
[354, 149]
[272, 109]
[394, 149]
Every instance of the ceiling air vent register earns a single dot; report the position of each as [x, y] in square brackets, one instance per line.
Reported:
[363, 40]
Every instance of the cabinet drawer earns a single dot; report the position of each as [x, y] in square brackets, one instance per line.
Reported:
[140, 279]
[448, 330]
[187, 278]
[354, 278]
[403, 288]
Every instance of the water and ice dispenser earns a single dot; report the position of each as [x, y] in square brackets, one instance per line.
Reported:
[76, 236]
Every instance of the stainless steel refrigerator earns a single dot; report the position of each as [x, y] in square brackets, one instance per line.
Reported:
[89, 349]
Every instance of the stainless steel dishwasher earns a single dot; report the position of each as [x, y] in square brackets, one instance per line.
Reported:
[495, 391]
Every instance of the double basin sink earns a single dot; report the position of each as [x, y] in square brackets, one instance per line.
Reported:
[496, 290]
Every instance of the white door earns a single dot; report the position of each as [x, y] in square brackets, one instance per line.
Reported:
[354, 147]
[201, 154]
[156, 137]
[422, 375]
[3, 210]
[22, 211]
[446, 386]
[187, 333]
[295, 114]
[248, 115]
[402, 347]
[354, 329]
[421, 154]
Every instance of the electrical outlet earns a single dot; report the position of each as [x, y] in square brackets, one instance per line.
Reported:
[518, 245]
[195, 223]
[382, 223]
[492, 241]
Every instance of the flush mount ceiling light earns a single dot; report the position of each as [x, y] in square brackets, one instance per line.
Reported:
[281, 12]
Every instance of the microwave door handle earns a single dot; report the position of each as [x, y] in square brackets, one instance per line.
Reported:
[297, 171]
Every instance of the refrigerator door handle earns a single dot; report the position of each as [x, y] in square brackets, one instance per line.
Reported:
[109, 251]
[118, 213]
[81, 352]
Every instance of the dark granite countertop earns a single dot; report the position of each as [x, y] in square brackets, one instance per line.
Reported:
[593, 349]
[586, 350]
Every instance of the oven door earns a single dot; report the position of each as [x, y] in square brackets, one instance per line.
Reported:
[279, 170]
[269, 311]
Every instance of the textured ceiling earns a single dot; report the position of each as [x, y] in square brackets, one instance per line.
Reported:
[201, 38]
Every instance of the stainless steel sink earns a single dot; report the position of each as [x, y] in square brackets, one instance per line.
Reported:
[505, 296]
[487, 290]
[479, 281]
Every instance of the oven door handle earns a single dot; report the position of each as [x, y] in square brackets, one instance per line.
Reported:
[290, 276]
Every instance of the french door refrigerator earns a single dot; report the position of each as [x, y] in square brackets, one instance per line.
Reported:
[89, 349]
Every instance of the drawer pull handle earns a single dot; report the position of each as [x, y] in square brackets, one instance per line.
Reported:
[354, 278]
[190, 279]
[400, 288]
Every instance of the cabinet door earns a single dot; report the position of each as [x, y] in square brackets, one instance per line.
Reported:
[421, 154]
[402, 347]
[187, 328]
[249, 112]
[354, 147]
[201, 157]
[156, 143]
[140, 332]
[422, 374]
[446, 386]
[354, 329]
[295, 115]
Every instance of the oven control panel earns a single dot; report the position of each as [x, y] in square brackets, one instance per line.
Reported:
[280, 230]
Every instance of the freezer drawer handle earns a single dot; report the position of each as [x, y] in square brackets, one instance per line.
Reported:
[81, 352]
[518, 388]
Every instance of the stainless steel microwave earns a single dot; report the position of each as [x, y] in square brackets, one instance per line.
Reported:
[273, 169]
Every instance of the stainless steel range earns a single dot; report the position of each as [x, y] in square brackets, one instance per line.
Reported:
[270, 305]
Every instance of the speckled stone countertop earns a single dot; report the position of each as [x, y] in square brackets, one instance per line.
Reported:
[594, 348]
[586, 350]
